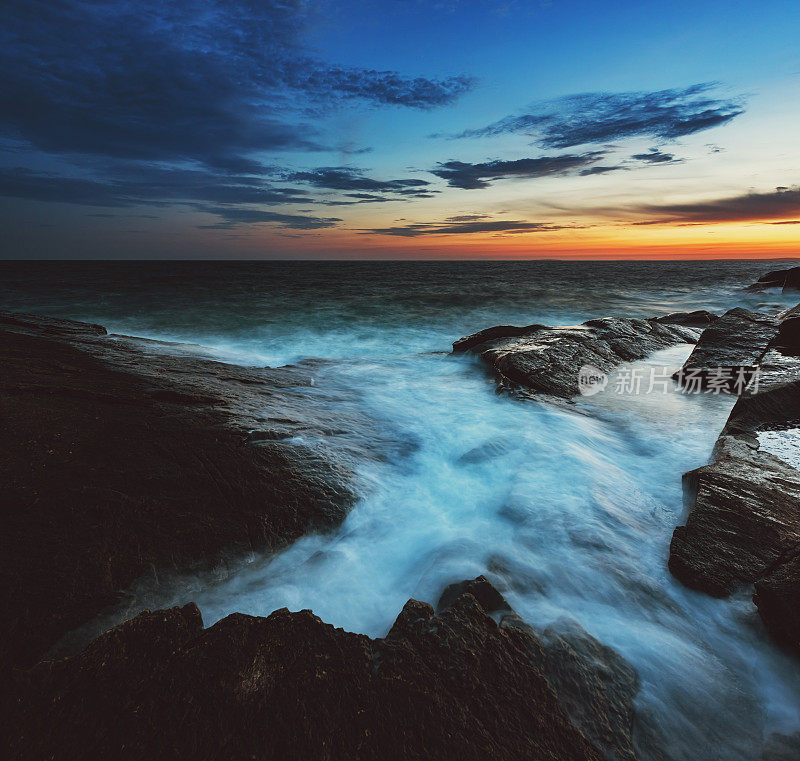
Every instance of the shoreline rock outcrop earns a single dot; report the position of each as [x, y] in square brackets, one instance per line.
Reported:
[743, 525]
[547, 360]
[447, 685]
[729, 350]
[787, 280]
[118, 460]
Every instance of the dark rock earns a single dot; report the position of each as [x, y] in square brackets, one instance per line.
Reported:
[788, 339]
[117, 461]
[778, 600]
[782, 748]
[594, 684]
[547, 360]
[730, 349]
[489, 334]
[700, 318]
[745, 505]
[490, 599]
[451, 685]
[788, 280]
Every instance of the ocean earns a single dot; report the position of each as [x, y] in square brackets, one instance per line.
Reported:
[568, 509]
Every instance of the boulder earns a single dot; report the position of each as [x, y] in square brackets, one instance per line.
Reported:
[481, 589]
[547, 360]
[787, 280]
[452, 685]
[118, 460]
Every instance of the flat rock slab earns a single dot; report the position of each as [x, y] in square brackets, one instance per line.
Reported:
[744, 521]
[547, 360]
[733, 344]
[118, 461]
[452, 685]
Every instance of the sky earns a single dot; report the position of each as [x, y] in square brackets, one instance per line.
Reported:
[394, 129]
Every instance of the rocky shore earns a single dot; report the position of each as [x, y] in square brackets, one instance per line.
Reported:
[547, 360]
[743, 525]
[119, 461]
[452, 684]
[125, 458]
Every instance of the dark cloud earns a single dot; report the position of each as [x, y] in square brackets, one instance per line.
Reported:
[139, 184]
[460, 174]
[780, 203]
[655, 156]
[464, 228]
[24, 183]
[467, 218]
[212, 81]
[158, 103]
[604, 117]
[232, 216]
[600, 169]
[346, 178]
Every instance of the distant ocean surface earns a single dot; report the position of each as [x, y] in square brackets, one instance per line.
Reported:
[569, 511]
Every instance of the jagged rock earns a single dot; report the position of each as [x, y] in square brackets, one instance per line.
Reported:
[547, 360]
[778, 600]
[481, 589]
[744, 521]
[594, 684]
[788, 280]
[452, 685]
[118, 461]
[730, 349]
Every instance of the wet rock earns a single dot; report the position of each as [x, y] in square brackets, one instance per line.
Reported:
[778, 600]
[594, 684]
[700, 318]
[744, 505]
[730, 349]
[782, 747]
[788, 339]
[489, 334]
[547, 360]
[743, 525]
[118, 461]
[490, 450]
[787, 280]
[489, 598]
[451, 685]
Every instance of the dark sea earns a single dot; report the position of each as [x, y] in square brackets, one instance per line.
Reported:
[569, 510]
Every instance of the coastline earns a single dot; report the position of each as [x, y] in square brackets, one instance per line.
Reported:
[218, 408]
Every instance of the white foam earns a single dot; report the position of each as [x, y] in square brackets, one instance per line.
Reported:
[783, 444]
